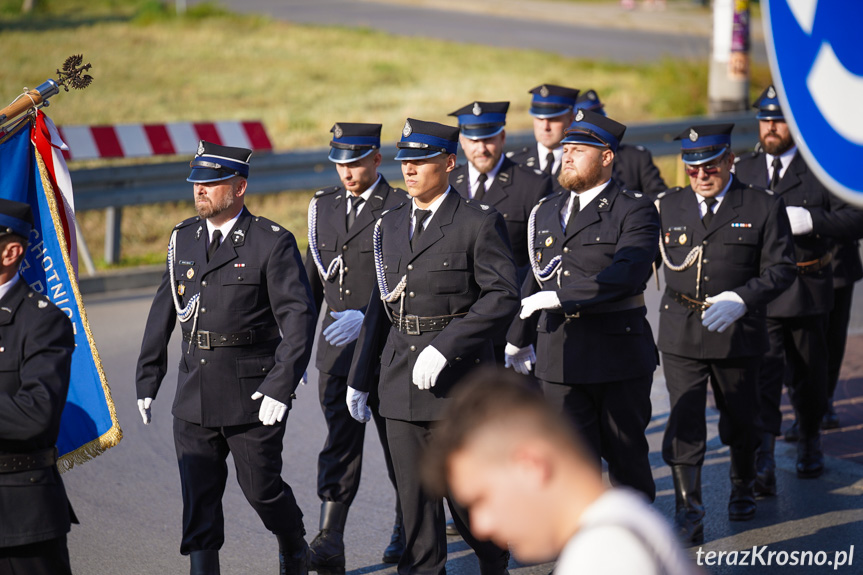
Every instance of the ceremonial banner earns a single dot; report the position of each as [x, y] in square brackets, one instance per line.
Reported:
[32, 170]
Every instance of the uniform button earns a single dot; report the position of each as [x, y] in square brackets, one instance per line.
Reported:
[458, 359]
[239, 278]
[323, 245]
[666, 306]
[413, 348]
[347, 292]
[506, 215]
[739, 238]
[264, 369]
[386, 266]
[410, 267]
[805, 201]
[476, 360]
[203, 310]
[566, 250]
[566, 273]
[704, 242]
[32, 480]
[412, 294]
[628, 329]
[706, 278]
[346, 269]
[706, 261]
[203, 361]
[446, 264]
[204, 283]
[344, 247]
[597, 238]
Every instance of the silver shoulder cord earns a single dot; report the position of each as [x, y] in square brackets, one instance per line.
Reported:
[387, 296]
[337, 266]
[694, 256]
[191, 310]
[552, 269]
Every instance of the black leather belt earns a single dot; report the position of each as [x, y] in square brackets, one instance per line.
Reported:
[814, 266]
[632, 302]
[686, 301]
[210, 339]
[416, 325]
[14, 462]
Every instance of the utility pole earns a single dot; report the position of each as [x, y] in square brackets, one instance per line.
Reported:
[728, 84]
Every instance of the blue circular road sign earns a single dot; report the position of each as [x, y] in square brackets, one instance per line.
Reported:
[815, 50]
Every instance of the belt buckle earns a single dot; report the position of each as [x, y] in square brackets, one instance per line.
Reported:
[412, 324]
[203, 338]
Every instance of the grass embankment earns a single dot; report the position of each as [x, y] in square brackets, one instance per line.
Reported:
[150, 66]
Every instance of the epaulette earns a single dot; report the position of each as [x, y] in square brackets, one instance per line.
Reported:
[185, 223]
[640, 148]
[392, 209]
[478, 205]
[745, 156]
[269, 225]
[759, 189]
[668, 191]
[38, 300]
[327, 191]
[633, 195]
[548, 197]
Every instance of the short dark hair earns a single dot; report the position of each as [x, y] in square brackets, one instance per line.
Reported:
[490, 397]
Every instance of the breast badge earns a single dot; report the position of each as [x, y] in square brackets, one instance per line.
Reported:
[181, 289]
[190, 273]
[548, 241]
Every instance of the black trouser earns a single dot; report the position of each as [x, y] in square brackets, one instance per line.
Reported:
[798, 344]
[735, 388]
[49, 557]
[340, 462]
[837, 334]
[257, 451]
[612, 418]
[423, 516]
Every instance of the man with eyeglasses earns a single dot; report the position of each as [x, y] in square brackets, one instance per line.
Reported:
[727, 251]
[797, 320]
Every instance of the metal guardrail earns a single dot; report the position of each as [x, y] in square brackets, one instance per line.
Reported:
[116, 187]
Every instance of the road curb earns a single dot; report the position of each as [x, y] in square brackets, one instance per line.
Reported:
[142, 277]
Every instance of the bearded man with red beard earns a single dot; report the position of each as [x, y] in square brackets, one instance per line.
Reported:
[591, 249]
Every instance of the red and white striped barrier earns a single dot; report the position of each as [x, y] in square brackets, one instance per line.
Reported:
[137, 140]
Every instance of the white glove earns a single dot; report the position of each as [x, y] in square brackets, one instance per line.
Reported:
[358, 404]
[144, 408]
[540, 300]
[428, 366]
[725, 309]
[801, 220]
[521, 359]
[272, 410]
[346, 328]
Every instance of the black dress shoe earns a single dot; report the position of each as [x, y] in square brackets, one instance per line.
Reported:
[327, 553]
[830, 419]
[295, 561]
[394, 551]
[204, 562]
[741, 506]
[451, 530]
[810, 459]
[792, 435]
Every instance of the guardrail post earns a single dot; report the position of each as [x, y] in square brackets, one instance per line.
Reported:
[113, 223]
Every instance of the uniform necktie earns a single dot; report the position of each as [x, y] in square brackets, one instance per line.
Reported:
[480, 187]
[356, 203]
[549, 163]
[420, 216]
[572, 212]
[214, 244]
[708, 215]
[777, 169]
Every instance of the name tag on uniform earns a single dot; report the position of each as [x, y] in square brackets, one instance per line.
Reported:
[677, 236]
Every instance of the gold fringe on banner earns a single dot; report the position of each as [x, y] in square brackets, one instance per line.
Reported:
[113, 436]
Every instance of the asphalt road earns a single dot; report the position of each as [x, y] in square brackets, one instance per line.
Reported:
[129, 503]
[565, 38]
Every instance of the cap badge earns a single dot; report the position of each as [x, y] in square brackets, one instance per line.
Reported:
[407, 131]
[580, 115]
[200, 148]
[338, 132]
[42, 304]
[538, 256]
[693, 135]
[275, 228]
[681, 239]
[544, 91]
[548, 241]
[190, 273]
[771, 93]
[591, 96]
[477, 110]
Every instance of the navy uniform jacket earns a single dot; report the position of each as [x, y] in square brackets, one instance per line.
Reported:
[608, 253]
[463, 264]
[832, 220]
[529, 158]
[634, 170]
[355, 247]
[748, 249]
[255, 282]
[514, 192]
[35, 359]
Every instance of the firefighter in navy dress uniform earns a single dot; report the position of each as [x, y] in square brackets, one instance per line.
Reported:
[552, 109]
[341, 272]
[237, 284]
[797, 319]
[495, 180]
[445, 286]
[727, 252]
[35, 361]
[592, 251]
[633, 165]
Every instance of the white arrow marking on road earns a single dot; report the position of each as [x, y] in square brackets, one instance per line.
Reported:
[804, 12]
[838, 93]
